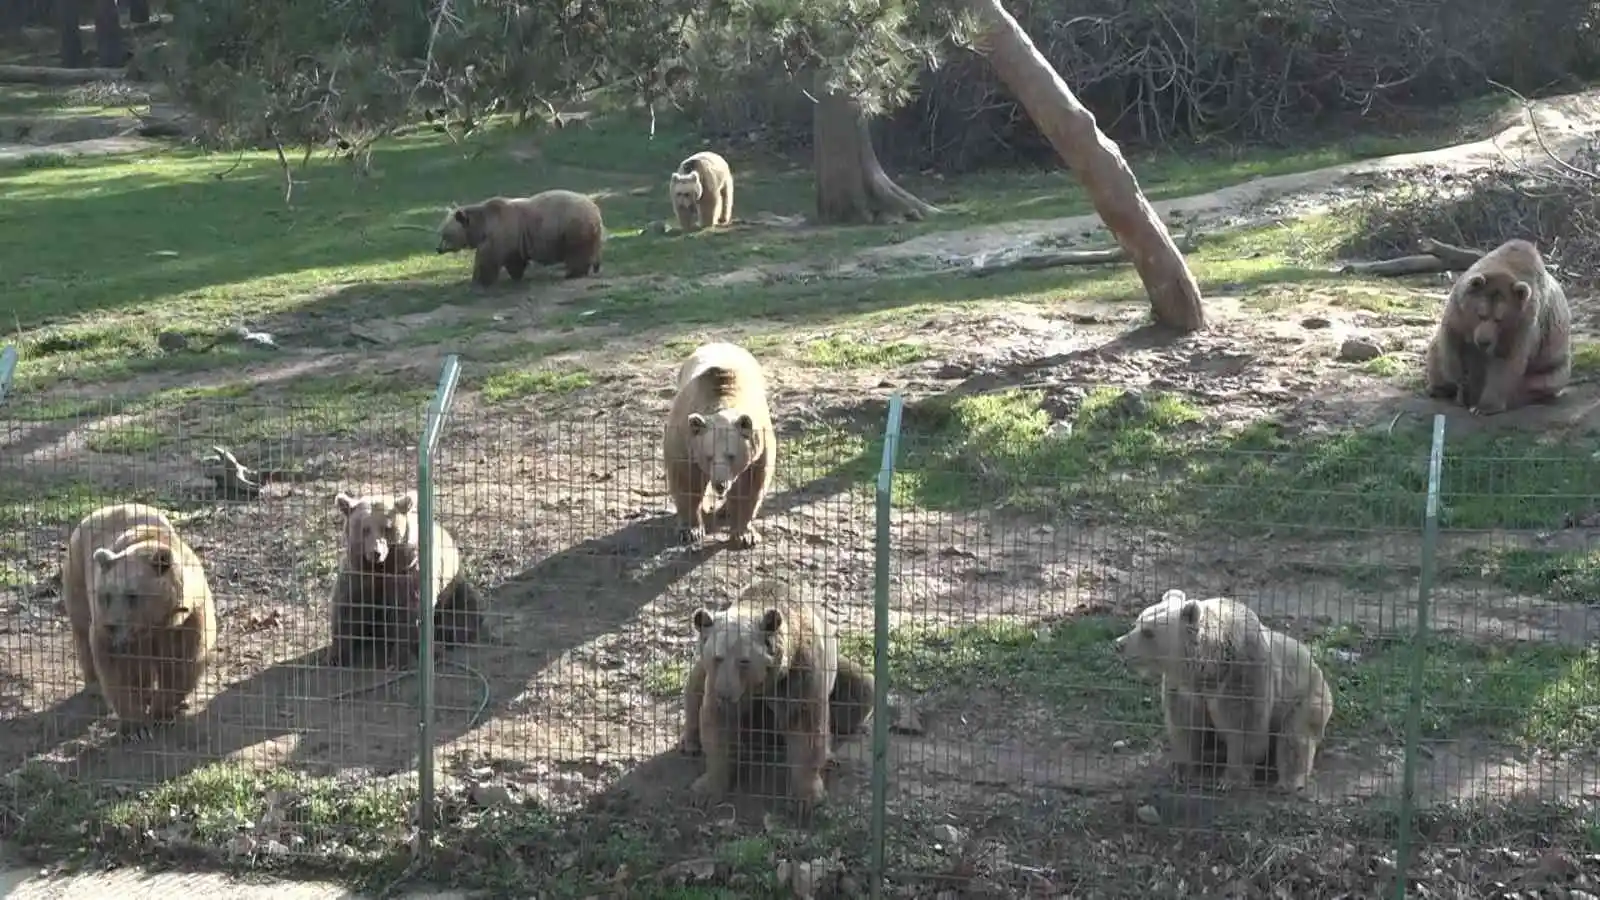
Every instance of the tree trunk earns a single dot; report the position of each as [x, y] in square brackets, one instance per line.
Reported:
[1097, 162]
[71, 39]
[139, 11]
[108, 46]
[851, 184]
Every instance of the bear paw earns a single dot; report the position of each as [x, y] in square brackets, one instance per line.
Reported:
[691, 536]
[809, 791]
[1488, 409]
[134, 732]
[746, 539]
[706, 790]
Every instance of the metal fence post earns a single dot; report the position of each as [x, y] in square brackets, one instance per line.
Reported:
[1419, 654]
[880, 644]
[8, 370]
[443, 395]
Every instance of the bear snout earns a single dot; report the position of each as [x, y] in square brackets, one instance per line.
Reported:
[720, 487]
[119, 635]
[378, 552]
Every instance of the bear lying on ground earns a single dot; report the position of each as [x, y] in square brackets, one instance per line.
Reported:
[1223, 671]
[719, 435]
[702, 191]
[550, 228]
[1504, 338]
[769, 664]
[377, 595]
[142, 617]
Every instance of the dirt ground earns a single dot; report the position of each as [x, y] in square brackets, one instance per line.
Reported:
[561, 513]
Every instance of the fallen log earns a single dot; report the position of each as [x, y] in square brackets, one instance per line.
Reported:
[1453, 256]
[1390, 268]
[11, 74]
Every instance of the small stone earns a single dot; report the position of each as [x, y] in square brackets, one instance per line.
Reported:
[1119, 745]
[1148, 815]
[172, 342]
[947, 834]
[491, 795]
[953, 369]
[1359, 349]
[1314, 322]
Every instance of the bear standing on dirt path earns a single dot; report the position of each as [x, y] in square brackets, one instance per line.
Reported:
[764, 651]
[553, 227]
[1504, 338]
[1222, 670]
[719, 435]
[702, 191]
[377, 595]
[141, 612]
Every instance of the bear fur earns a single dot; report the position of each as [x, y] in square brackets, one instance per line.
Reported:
[1223, 671]
[377, 595]
[549, 228]
[719, 436]
[1504, 338]
[141, 612]
[702, 191]
[769, 666]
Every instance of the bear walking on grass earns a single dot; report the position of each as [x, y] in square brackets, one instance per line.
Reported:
[143, 620]
[550, 228]
[377, 595]
[702, 191]
[1227, 677]
[768, 663]
[719, 436]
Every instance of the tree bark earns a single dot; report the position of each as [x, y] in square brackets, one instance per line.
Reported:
[851, 184]
[67, 19]
[109, 49]
[139, 11]
[1097, 162]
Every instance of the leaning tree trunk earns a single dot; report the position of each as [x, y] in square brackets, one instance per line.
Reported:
[1095, 159]
[851, 184]
[67, 20]
[109, 49]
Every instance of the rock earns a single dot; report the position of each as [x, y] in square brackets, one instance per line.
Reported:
[1359, 349]
[1119, 745]
[952, 370]
[1314, 322]
[492, 795]
[1148, 815]
[947, 834]
[172, 342]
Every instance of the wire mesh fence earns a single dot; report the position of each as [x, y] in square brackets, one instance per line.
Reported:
[999, 601]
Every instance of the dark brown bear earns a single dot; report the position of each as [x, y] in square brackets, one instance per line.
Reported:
[550, 228]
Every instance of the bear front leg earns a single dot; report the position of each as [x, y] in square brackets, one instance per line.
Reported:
[1442, 366]
[710, 205]
[80, 640]
[716, 736]
[1187, 727]
[686, 214]
[689, 495]
[726, 212]
[486, 266]
[178, 670]
[744, 502]
[125, 684]
[1241, 721]
[516, 266]
[1503, 378]
[694, 689]
[806, 744]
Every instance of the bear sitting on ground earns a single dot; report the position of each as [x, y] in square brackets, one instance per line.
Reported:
[549, 228]
[377, 595]
[719, 435]
[1223, 671]
[142, 617]
[766, 662]
[702, 191]
[1504, 338]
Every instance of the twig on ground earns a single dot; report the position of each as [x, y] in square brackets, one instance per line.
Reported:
[1105, 256]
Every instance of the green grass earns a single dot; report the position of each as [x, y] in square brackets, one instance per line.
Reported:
[1564, 576]
[515, 385]
[851, 353]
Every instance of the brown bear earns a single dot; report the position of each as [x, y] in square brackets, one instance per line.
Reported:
[1223, 671]
[377, 595]
[719, 435]
[767, 663]
[702, 191]
[142, 617]
[1504, 339]
[549, 228]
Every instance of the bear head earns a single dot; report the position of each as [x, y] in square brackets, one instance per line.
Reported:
[1164, 637]
[686, 188]
[136, 588]
[722, 445]
[740, 650]
[463, 228]
[380, 532]
[1490, 307]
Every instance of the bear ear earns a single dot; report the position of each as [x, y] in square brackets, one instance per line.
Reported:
[405, 503]
[703, 619]
[747, 426]
[461, 215]
[1173, 595]
[1523, 291]
[697, 424]
[104, 557]
[1476, 283]
[772, 621]
[344, 502]
[161, 560]
[1190, 613]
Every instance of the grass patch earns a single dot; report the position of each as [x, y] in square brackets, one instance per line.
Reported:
[517, 384]
[1385, 366]
[1564, 576]
[852, 353]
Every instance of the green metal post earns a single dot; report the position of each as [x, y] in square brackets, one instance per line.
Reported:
[8, 370]
[431, 429]
[1419, 663]
[880, 645]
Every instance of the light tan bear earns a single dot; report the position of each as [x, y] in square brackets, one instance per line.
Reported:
[550, 228]
[141, 612]
[719, 436]
[1504, 338]
[1221, 669]
[377, 595]
[702, 191]
[768, 660]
